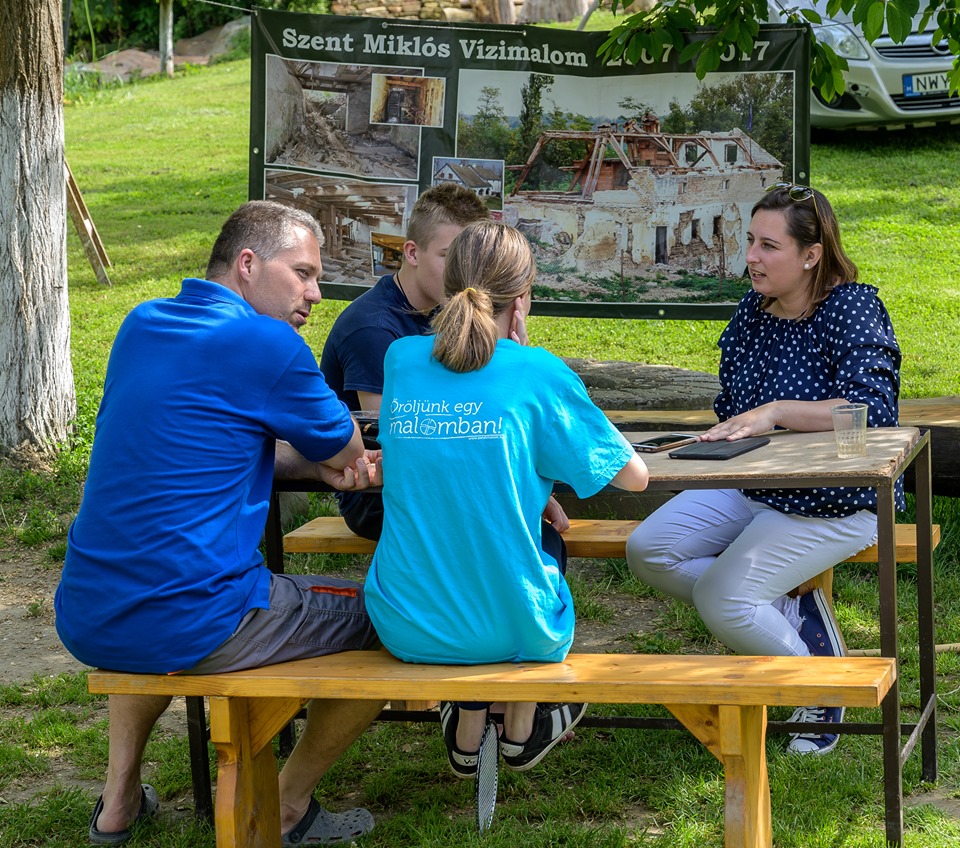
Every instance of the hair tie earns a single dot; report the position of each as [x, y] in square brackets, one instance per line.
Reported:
[470, 289]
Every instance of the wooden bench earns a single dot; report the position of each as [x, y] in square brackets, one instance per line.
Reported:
[585, 538]
[721, 700]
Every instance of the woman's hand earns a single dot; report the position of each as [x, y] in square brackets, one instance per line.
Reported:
[750, 423]
[805, 416]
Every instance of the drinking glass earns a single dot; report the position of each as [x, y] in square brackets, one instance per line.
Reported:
[850, 428]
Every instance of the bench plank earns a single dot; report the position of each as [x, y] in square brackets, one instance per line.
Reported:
[585, 538]
[597, 678]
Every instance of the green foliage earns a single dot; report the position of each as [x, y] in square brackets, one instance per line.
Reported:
[736, 25]
[99, 26]
[564, 153]
[531, 122]
[487, 135]
[761, 103]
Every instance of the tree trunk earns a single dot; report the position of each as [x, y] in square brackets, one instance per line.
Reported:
[543, 11]
[166, 37]
[494, 11]
[37, 401]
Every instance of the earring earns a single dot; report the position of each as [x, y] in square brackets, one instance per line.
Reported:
[806, 265]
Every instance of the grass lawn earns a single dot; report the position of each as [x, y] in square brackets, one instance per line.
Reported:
[160, 165]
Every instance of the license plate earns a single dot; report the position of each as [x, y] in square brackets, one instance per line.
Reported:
[921, 85]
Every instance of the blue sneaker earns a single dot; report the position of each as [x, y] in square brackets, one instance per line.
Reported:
[819, 630]
[814, 743]
[818, 627]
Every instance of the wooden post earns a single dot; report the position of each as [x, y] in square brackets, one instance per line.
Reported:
[89, 236]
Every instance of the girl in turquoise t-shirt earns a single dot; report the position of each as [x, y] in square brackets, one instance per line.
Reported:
[476, 427]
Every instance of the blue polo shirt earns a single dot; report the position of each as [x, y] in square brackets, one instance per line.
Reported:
[162, 560]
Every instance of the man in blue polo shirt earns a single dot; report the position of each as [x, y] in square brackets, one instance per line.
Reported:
[207, 396]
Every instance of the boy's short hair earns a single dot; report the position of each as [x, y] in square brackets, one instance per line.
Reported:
[447, 203]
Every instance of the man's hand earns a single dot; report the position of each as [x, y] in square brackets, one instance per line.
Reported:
[553, 514]
[367, 471]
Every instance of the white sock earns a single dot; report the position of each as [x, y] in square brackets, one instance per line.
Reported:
[789, 608]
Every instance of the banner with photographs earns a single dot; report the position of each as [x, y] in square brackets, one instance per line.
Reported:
[633, 183]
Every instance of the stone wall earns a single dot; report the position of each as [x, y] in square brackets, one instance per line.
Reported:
[424, 10]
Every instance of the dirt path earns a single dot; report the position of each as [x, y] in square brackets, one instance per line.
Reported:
[29, 644]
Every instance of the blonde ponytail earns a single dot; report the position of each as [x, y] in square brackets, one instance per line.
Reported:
[466, 332]
[488, 266]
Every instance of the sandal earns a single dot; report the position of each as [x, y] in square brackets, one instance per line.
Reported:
[321, 827]
[149, 804]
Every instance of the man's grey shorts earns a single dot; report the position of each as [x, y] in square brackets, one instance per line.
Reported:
[309, 616]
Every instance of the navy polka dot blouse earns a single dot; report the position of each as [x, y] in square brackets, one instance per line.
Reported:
[845, 349]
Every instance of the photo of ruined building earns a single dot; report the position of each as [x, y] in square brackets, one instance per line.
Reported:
[318, 117]
[641, 198]
[417, 101]
[350, 212]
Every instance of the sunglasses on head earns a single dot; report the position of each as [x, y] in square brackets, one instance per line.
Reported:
[799, 193]
[794, 191]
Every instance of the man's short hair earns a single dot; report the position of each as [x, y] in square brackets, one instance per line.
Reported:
[263, 226]
[447, 203]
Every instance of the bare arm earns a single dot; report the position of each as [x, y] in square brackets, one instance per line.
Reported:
[633, 477]
[351, 469]
[369, 402]
[803, 415]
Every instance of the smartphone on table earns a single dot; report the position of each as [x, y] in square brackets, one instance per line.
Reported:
[667, 441]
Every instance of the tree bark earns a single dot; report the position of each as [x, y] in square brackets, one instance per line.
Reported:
[37, 400]
[166, 37]
[542, 11]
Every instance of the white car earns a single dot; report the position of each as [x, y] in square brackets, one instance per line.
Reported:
[888, 84]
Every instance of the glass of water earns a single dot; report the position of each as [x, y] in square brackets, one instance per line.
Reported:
[850, 428]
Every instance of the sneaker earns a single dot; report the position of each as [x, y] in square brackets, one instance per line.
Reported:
[820, 632]
[814, 743]
[462, 764]
[818, 627]
[550, 724]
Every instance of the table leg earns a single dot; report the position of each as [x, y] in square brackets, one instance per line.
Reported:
[736, 735]
[925, 619]
[887, 585]
[247, 808]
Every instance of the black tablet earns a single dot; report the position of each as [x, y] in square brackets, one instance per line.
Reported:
[719, 450]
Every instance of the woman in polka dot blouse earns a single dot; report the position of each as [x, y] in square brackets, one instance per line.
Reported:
[805, 339]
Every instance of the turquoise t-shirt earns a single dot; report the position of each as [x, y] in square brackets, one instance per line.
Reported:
[459, 574]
